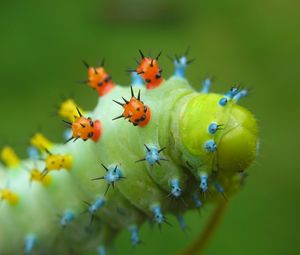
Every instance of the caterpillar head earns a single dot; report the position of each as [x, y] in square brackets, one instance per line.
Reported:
[219, 131]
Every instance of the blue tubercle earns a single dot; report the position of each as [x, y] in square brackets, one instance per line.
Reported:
[67, 218]
[152, 155]
[223, 101]
[30, 242]
[210, 146]
[203, 182]
[234, 91]
[134, 235]
[33, 153]
[113, 174]
[158, 216]
[197, 200]
[240, 95]
[67, 134]
[206, 85]
[180, 66]
[136, 80]
[101, 250]
[213, 128]
[175, 188]
[93, 208]
[181, 222]
[220, 189]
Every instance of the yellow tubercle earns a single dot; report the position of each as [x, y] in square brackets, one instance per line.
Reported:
[36, 175]
[68, 161]
[58, 162]
[9, 196]
[41, 142]
[9, 157]
[68, 110]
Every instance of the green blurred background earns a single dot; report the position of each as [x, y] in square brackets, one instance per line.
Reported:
[255, 42]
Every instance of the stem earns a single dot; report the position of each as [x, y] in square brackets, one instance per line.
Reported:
[199, 245]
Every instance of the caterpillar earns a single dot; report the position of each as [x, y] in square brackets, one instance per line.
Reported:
[166, 150]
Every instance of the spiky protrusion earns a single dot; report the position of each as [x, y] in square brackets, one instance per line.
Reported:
[197, 201]
[158, 215]
[9, 196]
[214, 127]
[153, 155]
[29, 243]
[9, 157]
[181, 64]
[135, 110]
[38, 176]
[67, 218]
[84, 128]
[203, 183]
[149, 70]
[40, 142]
[56, 162]
[68, 110]
[206, 84]
[134, 235]
[175, 188]
[234, 91]
[99, 79]
[113, 174]
[181, 222]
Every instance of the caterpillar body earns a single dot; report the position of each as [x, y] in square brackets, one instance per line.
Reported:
[191, 150]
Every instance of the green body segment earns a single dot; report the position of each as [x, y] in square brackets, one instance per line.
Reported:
[179, 122]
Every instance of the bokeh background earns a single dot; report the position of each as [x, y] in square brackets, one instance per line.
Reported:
[257, 42]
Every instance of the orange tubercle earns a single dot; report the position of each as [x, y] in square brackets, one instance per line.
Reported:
[97, 131]
[135, 110]
[147, 119]
[150, 71]
[84, 128]
[100, 80]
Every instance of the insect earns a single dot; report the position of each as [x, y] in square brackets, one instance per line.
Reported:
[149, 70]
[84, 128]
[190, 151]
[134, 110]
[99, 79]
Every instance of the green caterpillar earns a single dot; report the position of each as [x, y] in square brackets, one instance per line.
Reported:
[179, 151]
